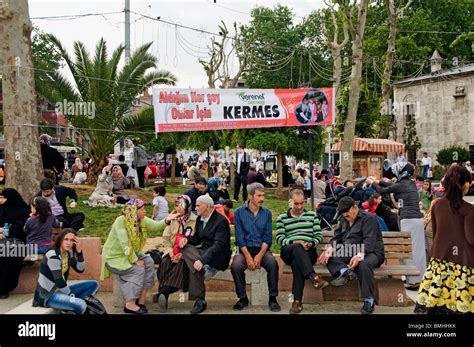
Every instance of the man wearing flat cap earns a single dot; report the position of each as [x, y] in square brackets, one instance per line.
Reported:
[355, 250]
[207, 251]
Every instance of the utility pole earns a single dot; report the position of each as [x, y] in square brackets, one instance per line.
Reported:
[127, 29]
[20, 117]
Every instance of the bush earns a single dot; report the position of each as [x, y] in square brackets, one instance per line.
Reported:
[454, 153]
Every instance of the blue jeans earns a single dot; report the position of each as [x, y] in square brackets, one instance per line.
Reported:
[74, 301]
[425, 171]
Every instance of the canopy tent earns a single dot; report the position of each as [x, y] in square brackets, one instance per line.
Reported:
[373, 145]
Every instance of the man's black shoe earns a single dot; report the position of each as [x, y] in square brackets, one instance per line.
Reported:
[241, 304]
[274, 306]
[368, 308]
[199, 307]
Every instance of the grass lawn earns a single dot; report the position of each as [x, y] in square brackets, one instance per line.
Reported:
[99, 219]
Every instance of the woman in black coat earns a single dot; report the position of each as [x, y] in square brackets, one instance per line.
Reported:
[14, 211]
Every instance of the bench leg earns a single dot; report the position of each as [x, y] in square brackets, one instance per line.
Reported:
[391, 292]
[260, 288]
[118, 298]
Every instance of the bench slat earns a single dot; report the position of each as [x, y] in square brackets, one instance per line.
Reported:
[398, 248]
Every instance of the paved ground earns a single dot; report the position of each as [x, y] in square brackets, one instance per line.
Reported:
[221, 303]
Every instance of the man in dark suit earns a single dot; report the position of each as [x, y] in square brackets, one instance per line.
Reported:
[207, 251]
[355, 250]
[242, 166]
[56, 196]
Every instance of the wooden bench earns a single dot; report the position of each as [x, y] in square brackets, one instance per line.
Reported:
[389, 287]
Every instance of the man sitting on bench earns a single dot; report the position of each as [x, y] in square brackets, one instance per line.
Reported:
[253, 236]
[355, 250]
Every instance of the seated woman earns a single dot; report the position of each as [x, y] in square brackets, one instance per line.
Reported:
[39, 227]
[122, 254]
[13, 211]
[77, 172]
[52, 289]
[103, 193]
[173, 274]
[120, 182]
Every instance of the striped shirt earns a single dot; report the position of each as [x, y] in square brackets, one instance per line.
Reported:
[305, 228]
[52, 276]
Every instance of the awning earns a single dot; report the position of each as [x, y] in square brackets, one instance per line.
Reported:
[373, 145]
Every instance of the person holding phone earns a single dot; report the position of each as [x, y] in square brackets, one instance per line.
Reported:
[52, 289]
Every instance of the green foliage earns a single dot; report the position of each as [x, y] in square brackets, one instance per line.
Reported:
[454, 153]
[97, 79]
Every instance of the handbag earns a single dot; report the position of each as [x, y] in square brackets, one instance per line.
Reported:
[94, 306]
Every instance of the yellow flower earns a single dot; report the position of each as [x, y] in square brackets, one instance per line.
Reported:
[441, 302]
[460, 284]
[438, 281]
[472, 307]
[451, 304]
[462, 306]
[471, 290]
[422, 298]
[465, 296]
[437, 292]
[442, 267]
[426, 285]
[471, 279]
[429, 275]
[449, 283]
[445, 293]
[430, 301]
[457, 273]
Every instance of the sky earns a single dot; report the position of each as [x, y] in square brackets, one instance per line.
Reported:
[177, 49]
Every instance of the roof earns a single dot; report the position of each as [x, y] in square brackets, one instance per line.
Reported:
[461, 70]
[372, 145]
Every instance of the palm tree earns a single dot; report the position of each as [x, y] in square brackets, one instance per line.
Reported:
[99, 81]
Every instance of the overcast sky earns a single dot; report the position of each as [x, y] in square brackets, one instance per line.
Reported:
[178, 56]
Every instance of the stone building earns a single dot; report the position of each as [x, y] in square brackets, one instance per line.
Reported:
[441, 104]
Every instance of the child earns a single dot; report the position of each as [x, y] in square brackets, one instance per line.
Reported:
[371, 206]
[228, 205]
[160, 205]
[372, 203]
[426, 196]
[39, 227]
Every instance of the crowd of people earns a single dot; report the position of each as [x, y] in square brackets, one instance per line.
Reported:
[197, 237]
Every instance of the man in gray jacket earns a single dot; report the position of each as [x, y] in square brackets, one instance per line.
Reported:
[140, 161]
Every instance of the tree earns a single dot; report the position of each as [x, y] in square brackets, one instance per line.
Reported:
[357, 29]
[98, 81]
[393, 14]
[454, 153]
[22, 149]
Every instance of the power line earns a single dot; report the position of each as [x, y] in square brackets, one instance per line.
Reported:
[75, 16]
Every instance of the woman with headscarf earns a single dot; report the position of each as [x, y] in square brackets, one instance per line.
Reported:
[123, 255]
[173, 274]
[120, 182]
[387, 169]
[13, 211]
[103, 193]
[411, 219]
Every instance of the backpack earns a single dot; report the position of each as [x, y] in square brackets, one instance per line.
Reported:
[94, 306]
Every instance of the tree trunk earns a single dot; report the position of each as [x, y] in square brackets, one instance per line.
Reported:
[173, 169]
[387, 73]
[24, 164]
[354, 90]
[337, 66]
[280, 170]
[98, 163]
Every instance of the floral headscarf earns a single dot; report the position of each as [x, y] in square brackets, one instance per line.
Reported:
[136, 229]
[185, 202]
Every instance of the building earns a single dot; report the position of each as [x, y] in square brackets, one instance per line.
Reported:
[442, 105]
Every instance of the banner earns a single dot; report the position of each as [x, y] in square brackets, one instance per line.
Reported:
[212, 109]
